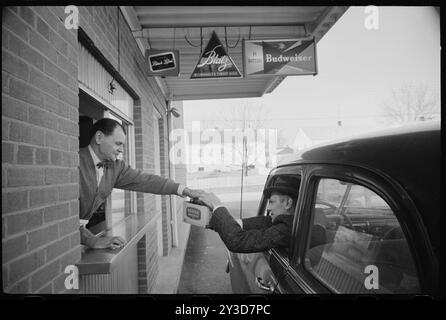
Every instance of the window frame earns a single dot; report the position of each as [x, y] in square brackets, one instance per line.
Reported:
[389, 190]
[291, 170]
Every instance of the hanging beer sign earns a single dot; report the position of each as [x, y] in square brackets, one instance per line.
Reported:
[279, 57]
[215, 62]
[163, 62]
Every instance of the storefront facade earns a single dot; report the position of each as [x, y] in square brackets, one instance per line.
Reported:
[55, 83]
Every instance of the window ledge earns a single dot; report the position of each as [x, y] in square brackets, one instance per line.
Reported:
[102, 261]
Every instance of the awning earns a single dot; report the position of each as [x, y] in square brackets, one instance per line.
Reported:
[180, 27]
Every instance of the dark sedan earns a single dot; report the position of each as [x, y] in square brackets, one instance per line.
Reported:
[366, 221]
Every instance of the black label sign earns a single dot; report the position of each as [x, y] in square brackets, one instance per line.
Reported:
[163, 61]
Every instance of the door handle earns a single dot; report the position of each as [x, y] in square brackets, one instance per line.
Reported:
[267, 287]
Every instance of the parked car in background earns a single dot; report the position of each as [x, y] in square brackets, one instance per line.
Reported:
[366, 222]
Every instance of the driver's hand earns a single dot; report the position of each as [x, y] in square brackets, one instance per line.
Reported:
[109, 242]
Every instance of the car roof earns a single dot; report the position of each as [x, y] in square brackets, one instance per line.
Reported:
[410, 155]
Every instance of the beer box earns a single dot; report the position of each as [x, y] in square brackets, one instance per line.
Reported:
[196, 214]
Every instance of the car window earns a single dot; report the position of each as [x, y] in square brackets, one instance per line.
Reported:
[356, 244]
[282, 183]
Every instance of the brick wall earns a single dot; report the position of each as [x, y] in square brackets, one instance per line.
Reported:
[40, 138]
[101, 25]
[40, 176]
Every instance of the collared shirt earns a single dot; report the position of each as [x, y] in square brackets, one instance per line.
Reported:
[96, 160]
[100, 171]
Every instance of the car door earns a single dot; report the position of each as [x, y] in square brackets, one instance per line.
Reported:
[262, 272]
[360, 235]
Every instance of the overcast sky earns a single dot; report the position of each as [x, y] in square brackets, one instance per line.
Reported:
[357, 68]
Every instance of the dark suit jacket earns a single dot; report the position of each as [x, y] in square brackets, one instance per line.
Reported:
[258, 233]
[119, 176]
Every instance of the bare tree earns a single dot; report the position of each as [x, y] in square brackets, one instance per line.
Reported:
[248, 117]
[411, 103]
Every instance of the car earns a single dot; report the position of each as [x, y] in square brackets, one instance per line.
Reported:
[366, 221]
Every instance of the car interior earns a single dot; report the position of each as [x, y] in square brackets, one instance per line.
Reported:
[345, 240]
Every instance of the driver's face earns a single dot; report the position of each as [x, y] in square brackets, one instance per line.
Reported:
[277, 205]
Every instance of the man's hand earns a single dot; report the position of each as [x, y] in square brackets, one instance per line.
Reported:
[192, 193]
[109, 242]
[210, 200]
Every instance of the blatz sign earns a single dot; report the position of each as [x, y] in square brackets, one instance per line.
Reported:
[215, 62]
[163, 63]
[279, 57]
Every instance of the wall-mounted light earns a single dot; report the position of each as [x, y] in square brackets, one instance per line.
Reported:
[111, 86]
[173, 111]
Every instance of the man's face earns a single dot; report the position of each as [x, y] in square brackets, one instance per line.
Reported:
[279, 204]
[111, 146]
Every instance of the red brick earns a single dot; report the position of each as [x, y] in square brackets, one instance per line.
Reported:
[45, 275]
[5, 38]
[58, 248]
[57, 141]
[14, 109]
[75, 176]
[4, 175]
[75, 240]
[42, 45]
[73, 55]
[57, 176]
[74, 208]
[14, 24]
[5, 129]
[8, 152]
[25, 155]
[22, 287]
[68, 127]
[68, 96]
[42, 236]
[24, 221]
[19, 268]
[73, 144]
[64, 110]
[59, 11]
[18, 177]
[56, 157]
[42, 156]
[25, 92]
[70, 159]
[14, 66]
[48, 16]
[43, 196]
[69, 192]
[58, 43]
[13, 248]
[28, 15]
[5, 82]
[44, 83]
[37, 136]
[57, 212]
[43, 28]
[26, 52]
[69, 226]
[70, 258]
[19, 132]
[48, 289]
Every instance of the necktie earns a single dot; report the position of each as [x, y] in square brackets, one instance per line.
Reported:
[105, 164]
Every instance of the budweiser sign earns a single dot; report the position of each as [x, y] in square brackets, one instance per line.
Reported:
[215, 62]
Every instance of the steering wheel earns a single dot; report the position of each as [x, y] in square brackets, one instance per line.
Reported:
[324, 203]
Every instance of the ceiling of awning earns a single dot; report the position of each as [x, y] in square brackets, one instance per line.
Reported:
[179, 27]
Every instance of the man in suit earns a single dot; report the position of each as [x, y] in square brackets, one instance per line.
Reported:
[101, 171]
[259, 233]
